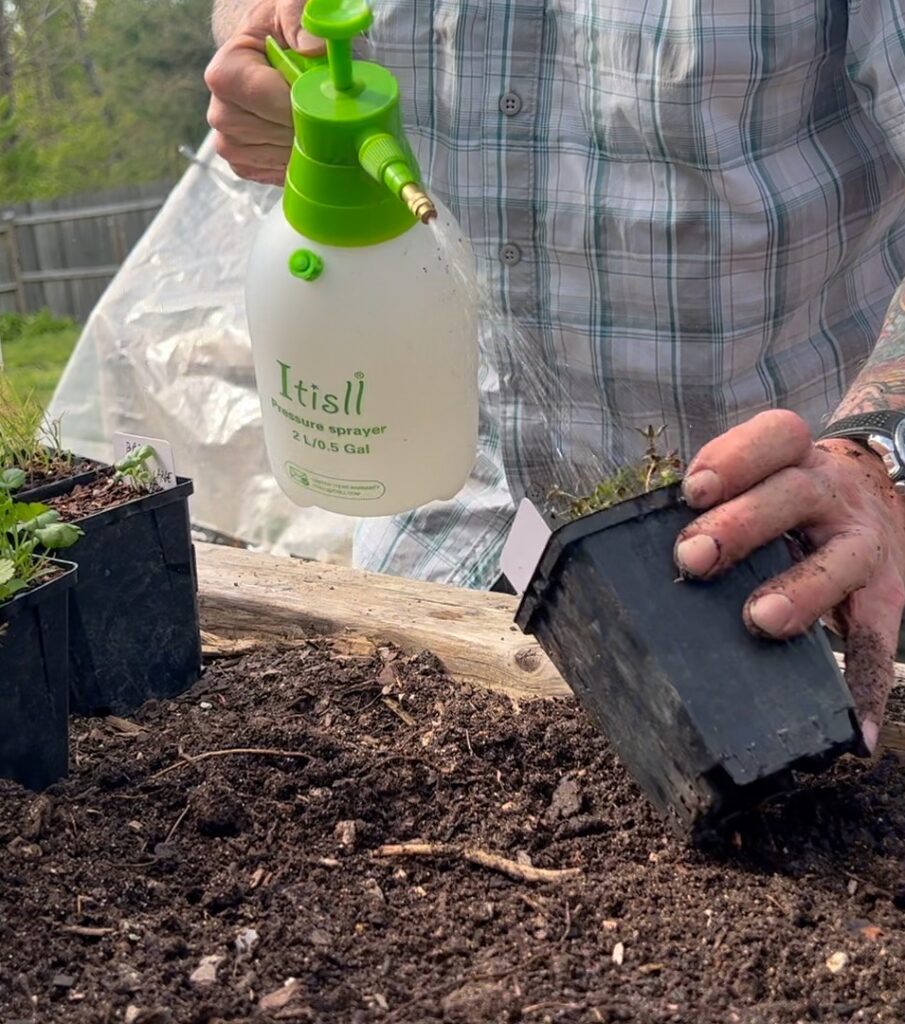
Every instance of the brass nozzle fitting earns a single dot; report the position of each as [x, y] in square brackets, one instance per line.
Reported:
[418, 202]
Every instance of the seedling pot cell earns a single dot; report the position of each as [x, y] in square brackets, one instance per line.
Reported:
[708, 719]
[34, 682]
[134, 622]
[42, 492]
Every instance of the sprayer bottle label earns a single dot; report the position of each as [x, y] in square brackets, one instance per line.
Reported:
[330, 423]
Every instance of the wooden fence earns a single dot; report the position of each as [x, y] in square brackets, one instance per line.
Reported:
[61, 254]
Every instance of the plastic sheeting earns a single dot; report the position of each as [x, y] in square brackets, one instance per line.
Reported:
[166, 354]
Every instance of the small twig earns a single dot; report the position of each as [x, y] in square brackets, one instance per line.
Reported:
[481, 858]
[468, 743]
[176, 824]
[568, 927]
[88, 933]
[777, 903]
[551, 1004]
[398, 711]
[251, 751]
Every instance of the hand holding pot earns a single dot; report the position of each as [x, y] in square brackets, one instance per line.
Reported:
[767, 478]
[249, 108]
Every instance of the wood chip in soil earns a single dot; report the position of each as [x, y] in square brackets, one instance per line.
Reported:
[245, 888]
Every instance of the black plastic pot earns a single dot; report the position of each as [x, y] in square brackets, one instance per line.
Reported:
[51, 490]
[34, 683]
[708, 719]
[134, 630]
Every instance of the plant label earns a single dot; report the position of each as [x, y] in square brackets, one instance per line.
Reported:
[162, 465]
[525, 545]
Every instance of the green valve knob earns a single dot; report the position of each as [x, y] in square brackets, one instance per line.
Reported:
[306, 264]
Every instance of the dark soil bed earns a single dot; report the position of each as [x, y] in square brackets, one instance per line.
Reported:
[117, 885]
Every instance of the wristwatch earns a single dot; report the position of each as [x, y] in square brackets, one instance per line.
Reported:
[880, 432]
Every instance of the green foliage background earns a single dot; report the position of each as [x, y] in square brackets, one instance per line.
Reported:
[98, 93]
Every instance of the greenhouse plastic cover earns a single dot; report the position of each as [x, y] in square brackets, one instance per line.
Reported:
[165, 354]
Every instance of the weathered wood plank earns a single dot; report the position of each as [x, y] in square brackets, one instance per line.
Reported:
[892, 739]
[249, 594]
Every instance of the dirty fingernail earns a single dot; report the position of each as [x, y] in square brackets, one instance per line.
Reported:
[870, 733]
[697, 555]
[771, 613]
[702, 489]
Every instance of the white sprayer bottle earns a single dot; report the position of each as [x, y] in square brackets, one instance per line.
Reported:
[362, 320]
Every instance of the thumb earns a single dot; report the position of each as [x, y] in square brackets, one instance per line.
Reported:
[289, 21]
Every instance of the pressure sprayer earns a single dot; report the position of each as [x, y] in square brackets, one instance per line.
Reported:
[362, 319]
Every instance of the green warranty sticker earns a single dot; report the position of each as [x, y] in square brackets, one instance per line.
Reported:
[332, 487]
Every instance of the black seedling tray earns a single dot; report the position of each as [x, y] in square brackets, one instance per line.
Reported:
[134, 630]
[707, 718]
[34, 682]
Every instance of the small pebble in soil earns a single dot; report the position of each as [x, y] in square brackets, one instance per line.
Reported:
[206, 971]
[127, 979]
[246, 941]
[346, 833]
[281, 997]
[566, 801]
[837, 962]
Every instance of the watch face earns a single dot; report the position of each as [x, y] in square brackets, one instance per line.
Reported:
[885, 447]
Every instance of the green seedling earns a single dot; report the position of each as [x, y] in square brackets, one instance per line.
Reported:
[29, 438]
[134, 467]
[28, 532]
[654, 469]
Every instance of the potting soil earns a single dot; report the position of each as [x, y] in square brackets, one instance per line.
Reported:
[57, 469]
[154, 889]
[95, 496]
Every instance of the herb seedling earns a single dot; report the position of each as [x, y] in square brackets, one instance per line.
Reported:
[27, 533]
[653, 470]
[134, 468]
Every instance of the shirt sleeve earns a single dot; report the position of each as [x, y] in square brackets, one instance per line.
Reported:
[875, 62]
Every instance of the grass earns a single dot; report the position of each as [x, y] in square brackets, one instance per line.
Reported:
[35, 350]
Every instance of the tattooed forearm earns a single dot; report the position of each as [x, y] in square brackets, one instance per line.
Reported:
[881, 383]
[226, 17]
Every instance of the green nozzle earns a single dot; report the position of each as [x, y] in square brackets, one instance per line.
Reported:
[352, 178]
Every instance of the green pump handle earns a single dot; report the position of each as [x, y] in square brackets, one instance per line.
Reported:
[291, 65]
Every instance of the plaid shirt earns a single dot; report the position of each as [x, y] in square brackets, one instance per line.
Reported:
[684, 212]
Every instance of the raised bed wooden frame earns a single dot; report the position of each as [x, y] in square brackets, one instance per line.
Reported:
[252, 598]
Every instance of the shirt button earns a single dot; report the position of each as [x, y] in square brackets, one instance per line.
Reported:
[510, 254]
[510, 103]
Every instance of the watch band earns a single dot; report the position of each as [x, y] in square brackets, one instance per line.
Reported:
[882, 433]
[864, 423]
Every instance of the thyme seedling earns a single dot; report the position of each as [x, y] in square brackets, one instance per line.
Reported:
[653, 470]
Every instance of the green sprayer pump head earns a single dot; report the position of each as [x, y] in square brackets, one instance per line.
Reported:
[352, 178]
